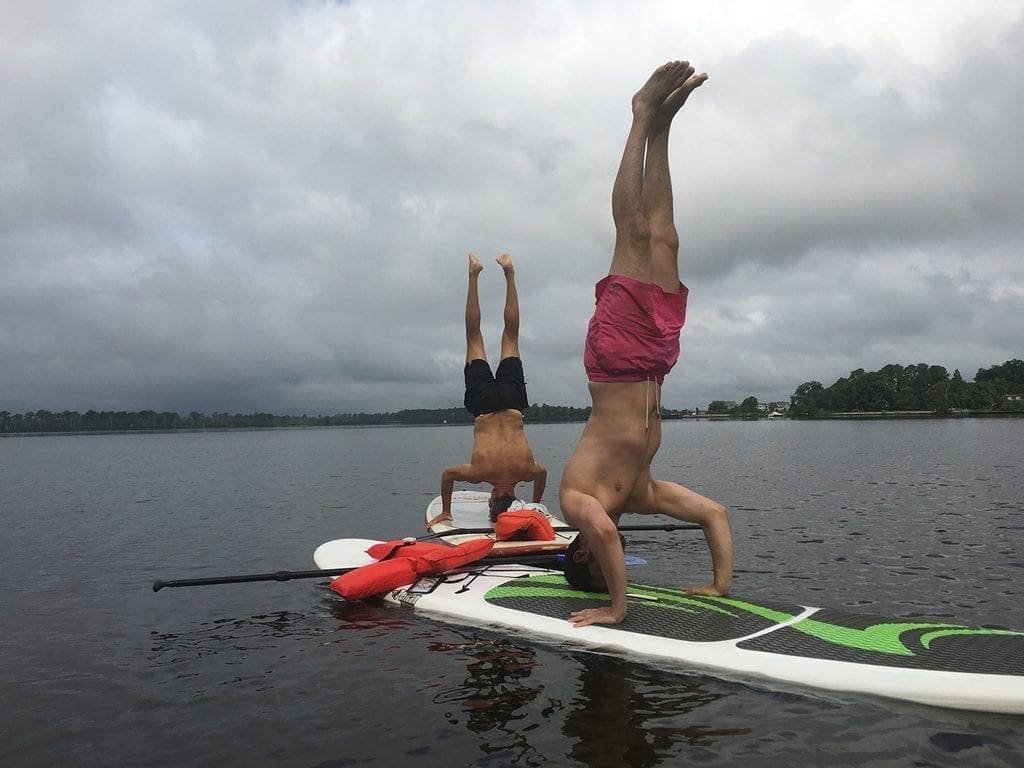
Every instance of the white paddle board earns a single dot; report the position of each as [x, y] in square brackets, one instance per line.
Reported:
[945, 665]
[351, 553]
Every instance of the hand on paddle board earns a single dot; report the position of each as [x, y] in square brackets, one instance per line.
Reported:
[708, 590]
[602, 615]
[441, 518]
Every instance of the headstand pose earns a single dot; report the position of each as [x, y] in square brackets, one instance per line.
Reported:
[632, 342]
[501, 455]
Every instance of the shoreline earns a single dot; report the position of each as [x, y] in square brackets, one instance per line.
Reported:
[845, 416]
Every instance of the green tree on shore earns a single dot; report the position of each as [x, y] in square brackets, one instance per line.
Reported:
[919, 387]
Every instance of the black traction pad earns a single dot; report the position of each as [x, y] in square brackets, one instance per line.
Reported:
[917, 645]
[659, 612]
[825, 634]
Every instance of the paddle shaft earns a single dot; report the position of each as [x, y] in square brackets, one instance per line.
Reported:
[276, 576]
[317, 574]
[561, 529]
[290, 575]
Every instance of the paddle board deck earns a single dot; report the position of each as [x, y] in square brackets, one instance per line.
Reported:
[942, 665]
[470, 510]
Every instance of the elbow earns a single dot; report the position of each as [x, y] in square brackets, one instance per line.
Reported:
[718, 516]
[602, 531]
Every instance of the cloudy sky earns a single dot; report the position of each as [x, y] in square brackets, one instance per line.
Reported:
[267, 205]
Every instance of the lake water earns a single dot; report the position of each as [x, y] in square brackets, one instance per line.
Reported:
[910, 518]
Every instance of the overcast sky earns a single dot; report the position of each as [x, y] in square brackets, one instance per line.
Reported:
[255, 205]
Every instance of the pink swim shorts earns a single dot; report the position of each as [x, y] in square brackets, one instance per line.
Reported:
[634, 333]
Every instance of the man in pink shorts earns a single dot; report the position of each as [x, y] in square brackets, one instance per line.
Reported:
[632, 343]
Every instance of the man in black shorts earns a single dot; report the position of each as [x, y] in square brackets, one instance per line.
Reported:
[501, 455]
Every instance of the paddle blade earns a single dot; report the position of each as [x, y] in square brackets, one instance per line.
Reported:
[344, 553]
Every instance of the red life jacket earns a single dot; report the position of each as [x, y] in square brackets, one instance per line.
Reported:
[523, 524]
[400, 562]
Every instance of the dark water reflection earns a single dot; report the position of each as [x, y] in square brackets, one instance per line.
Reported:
[652, 722]
[917, 519]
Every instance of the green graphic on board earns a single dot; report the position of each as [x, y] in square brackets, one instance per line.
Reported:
[875, 636]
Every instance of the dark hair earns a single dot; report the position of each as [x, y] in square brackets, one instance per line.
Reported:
[499, 505]
[577, 573]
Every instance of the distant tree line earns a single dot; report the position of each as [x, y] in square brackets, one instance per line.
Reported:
[129, 421]
[893, 388]
[919, 387]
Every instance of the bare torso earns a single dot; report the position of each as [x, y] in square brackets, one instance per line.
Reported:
[613, 459]
[501, 455]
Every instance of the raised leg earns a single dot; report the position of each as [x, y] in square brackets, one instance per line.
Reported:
[510, 335]
[632, 255]
[474, 338]
[657, 186]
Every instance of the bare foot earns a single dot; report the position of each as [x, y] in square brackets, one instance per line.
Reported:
[475, 267]
[506, 263]
[675, 100]
[659, 85]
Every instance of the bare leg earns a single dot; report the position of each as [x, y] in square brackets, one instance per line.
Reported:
[657, 187]
[510, 335]
[632, 230]
[474, 338]
[663, 497]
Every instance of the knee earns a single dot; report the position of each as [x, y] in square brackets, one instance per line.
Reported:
[633, 226]
[665, 239]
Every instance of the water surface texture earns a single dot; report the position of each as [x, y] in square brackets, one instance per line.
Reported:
[920, 519]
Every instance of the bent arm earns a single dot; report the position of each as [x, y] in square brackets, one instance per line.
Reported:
[463, 472]
[540, 482]
[683, 504]
[719, 538]
[601, 537]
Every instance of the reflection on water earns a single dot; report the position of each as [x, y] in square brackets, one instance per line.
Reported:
[506, 698]
[647, 714]
[370, 619]
[491, 700]
[247, 633]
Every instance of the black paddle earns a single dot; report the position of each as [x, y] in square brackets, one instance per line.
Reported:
[289, 575]
[276, 576]
[560, 529]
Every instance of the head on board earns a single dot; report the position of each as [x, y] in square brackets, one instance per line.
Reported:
[581, 568]
[499, 502]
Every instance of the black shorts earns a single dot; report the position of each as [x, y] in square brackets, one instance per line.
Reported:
[488, 392]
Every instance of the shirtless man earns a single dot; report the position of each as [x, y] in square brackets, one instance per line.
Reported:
[632, 342]
[501, 455]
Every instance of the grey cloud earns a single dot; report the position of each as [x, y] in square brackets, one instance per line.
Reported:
[267, 206]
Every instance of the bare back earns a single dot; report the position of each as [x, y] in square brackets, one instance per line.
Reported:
[501, 455]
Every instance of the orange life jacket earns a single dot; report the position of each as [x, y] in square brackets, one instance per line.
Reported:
[523, 524]
[400, 562]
